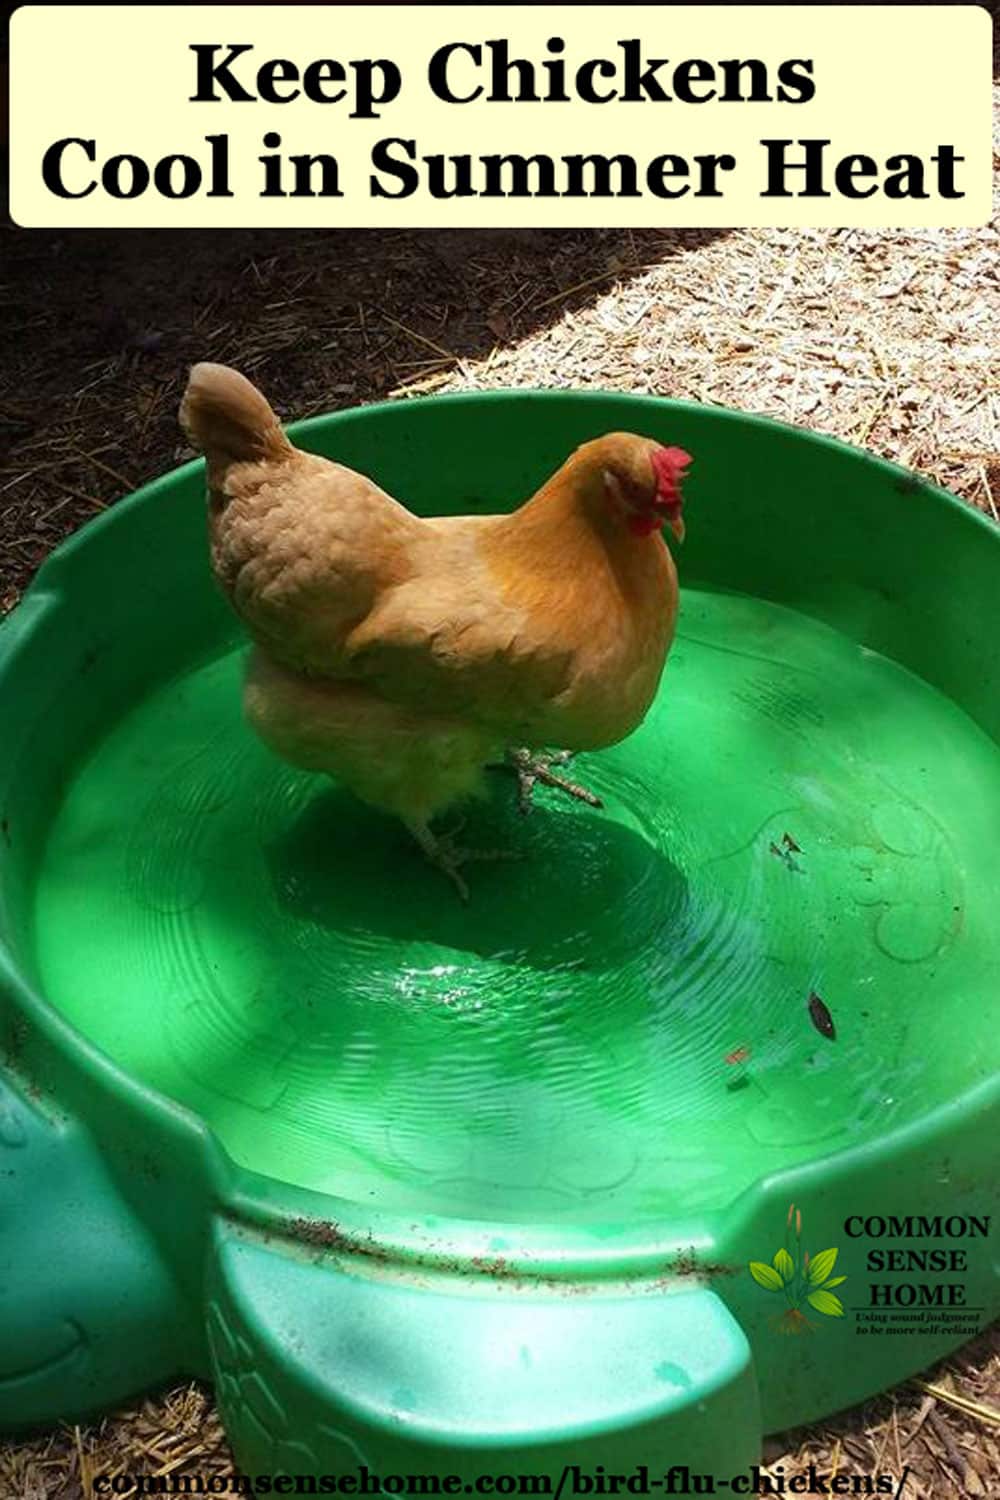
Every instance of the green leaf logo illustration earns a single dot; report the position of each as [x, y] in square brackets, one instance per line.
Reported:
[766, 1276]
[826, 1302]
[784, 1265]
[820, 1267]
[805, 1280]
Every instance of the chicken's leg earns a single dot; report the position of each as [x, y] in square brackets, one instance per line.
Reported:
[529, 769]
[448, 857]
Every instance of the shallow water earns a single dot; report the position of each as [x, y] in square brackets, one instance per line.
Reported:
[254, 943]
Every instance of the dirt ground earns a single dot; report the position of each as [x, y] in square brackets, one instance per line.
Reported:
[890, 340]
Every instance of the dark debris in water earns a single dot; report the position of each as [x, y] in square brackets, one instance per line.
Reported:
[737, 1061]
[820, 1016]
[786, 852]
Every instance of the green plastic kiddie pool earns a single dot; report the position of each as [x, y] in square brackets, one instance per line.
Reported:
[685, 1129]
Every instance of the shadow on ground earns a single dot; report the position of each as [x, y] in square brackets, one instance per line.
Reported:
[105, 325]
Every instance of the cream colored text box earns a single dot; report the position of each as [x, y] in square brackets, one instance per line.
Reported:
[900, 102]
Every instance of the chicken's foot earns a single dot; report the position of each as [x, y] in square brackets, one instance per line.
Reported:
[448, 857]
[531, 768]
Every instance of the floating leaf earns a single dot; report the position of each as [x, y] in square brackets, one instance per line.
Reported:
[784, 1265]
[820, 1016]
[766, 1276]
[835, 1281]
[826, 1302]
[821, 1267]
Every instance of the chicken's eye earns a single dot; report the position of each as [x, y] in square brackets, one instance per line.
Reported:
[627, 495]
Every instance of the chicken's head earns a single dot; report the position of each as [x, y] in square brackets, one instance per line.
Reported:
[643, 480]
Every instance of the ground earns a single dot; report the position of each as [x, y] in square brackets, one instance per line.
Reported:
[887, 339]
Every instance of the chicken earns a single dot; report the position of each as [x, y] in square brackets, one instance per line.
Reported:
[402, 655]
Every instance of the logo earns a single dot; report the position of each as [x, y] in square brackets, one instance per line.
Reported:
[803, 1279]
[921, 1271]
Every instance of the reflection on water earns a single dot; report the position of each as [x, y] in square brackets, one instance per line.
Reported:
[259, 946]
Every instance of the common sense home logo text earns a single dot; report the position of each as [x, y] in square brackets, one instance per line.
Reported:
[914, 1275]
[917, 1267]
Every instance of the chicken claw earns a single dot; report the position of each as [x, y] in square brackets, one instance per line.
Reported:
[448, 857]
[530, 769]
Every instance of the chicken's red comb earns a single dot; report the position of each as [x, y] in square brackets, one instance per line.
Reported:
[669, 465]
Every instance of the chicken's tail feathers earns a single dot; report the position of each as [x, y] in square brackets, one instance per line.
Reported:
[226, 417]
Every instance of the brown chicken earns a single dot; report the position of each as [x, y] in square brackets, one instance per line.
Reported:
[403, 655]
